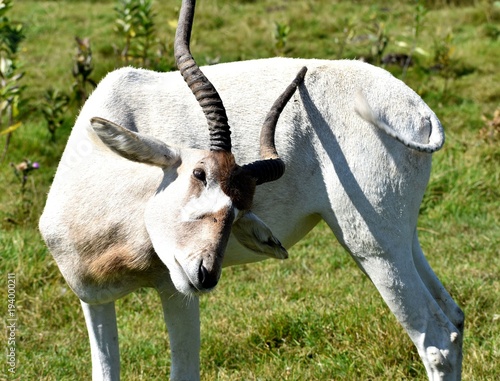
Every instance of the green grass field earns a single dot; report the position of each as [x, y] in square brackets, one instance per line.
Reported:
[314, 316]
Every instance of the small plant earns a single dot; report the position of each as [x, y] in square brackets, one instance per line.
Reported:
[135, 24]
[374, 37]
[11, 35]
[82, 68]
[379, 40]
[25, 200]
[418, 21]
[444, 64]
[348, 33]
[23, 169]
[280, 34]
[126, 25]
[53, 109]
[148, 31]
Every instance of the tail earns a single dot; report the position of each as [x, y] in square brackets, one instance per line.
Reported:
[436, 137]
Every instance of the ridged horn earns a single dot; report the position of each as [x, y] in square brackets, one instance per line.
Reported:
[271, 167]
[205, 93]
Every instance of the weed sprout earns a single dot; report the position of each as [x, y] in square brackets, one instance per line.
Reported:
[23, 169]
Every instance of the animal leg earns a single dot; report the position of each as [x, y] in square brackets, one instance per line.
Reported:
[182, 317]
[437, 290]
[437, 339]
[103, 336]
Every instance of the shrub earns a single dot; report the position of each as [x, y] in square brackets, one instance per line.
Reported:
[11, 35]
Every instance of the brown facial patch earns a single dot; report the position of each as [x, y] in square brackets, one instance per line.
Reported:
[241, 188]
[206, 239]
[235, 181]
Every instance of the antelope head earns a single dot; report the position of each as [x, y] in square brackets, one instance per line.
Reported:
[204, 193]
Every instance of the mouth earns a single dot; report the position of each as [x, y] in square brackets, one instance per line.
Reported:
[187, 286]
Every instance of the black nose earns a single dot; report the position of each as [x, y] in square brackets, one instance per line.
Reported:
[208, 280]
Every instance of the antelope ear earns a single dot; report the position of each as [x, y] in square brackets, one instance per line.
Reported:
[254, 234]
[134, 146]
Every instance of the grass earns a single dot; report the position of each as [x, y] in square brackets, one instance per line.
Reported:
[314, 316]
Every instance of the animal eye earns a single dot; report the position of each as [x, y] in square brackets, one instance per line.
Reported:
[199, 174]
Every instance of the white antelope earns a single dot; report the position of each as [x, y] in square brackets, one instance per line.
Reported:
[126, 210]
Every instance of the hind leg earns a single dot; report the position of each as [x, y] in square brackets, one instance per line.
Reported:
[437, 290]
[393, 272]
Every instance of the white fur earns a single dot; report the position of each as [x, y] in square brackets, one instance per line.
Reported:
[341, 167]
[210, 201]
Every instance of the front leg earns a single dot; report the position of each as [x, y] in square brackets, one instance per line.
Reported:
[182, 316]
[103, 336]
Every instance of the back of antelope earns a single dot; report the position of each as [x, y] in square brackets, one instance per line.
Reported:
[137, 201]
